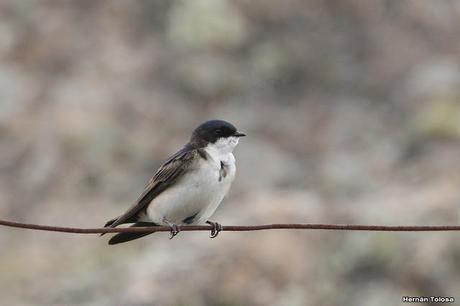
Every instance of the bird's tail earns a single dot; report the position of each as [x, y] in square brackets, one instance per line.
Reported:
[125, 237]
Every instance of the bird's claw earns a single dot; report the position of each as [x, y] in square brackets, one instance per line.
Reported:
[175, 229]
[216, 228]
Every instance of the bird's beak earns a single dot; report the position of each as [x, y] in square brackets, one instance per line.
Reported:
[239, 134]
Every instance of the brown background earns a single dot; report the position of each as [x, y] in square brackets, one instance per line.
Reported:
[353, 114]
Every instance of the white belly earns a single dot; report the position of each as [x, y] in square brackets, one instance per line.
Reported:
[198, 193]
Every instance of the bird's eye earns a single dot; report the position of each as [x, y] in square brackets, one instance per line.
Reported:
[218, 132]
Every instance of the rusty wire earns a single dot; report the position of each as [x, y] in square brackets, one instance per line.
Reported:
[236, 228]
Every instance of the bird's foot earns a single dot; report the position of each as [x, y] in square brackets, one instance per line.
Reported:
[175, 229]
[216, 228]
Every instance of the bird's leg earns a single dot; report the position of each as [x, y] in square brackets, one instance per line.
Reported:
[175, 229]
[216, 228]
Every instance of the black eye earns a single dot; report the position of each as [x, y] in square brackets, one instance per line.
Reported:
[218, 132]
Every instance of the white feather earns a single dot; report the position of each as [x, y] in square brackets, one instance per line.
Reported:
[200, 191]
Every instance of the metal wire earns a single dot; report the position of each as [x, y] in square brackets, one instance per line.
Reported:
[236, 228]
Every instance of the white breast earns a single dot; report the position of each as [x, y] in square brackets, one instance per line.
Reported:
[199, 192]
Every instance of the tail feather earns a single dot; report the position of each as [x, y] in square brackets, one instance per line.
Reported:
[108, 224]
[125, 237]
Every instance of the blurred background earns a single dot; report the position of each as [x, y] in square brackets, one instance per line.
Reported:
[353, 114]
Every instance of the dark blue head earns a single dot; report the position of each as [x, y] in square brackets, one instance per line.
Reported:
[213, 130]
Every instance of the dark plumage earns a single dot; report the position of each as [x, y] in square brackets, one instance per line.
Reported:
[125, 237]
[211, 131]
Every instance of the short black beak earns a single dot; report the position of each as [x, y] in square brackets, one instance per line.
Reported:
[239, 134]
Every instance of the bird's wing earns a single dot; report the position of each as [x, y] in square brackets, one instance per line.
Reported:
[168, 174]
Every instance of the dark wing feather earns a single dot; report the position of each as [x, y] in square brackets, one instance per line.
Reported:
[167, 175]
[124, 237]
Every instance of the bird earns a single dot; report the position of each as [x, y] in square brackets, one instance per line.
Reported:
[189, 186]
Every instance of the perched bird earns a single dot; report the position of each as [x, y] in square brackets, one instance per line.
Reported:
[189, 186]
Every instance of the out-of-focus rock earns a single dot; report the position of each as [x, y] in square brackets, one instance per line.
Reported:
[434, 78]
[204, 24]
[17, 91]
[208, 76]
[439, 117]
